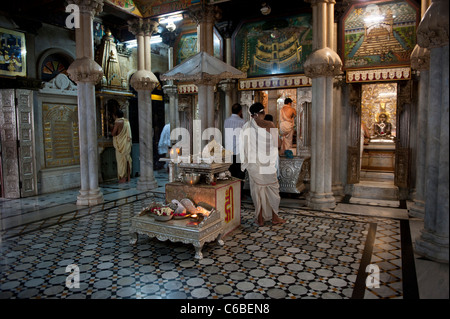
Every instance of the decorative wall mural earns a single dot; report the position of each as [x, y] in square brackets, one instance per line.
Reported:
[126, 5]
[12, 53]
[379, 34]
[159, 7]
[274, 46]
[187, 46]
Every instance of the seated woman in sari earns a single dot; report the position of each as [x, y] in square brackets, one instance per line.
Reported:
[259, 156]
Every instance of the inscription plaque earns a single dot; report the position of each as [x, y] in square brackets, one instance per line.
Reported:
[61, 144]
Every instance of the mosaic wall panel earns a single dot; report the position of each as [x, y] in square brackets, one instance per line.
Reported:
[274, 46]
[379, 34]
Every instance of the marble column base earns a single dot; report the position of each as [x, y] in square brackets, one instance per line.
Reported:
[90, 197]
[432, 246]
[417, 209]
[146, 185]
[321, 201]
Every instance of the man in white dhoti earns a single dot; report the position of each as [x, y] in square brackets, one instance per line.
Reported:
[258, 143]
[122, 143]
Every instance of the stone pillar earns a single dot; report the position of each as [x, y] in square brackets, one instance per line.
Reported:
[86, 73]
[228, 86]
[172, 91]
[144, 81]
[322, 66]
[171, 110]
[204, 16]
[433, 34]
[420, 61]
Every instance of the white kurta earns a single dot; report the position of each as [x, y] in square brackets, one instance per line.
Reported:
[259, 155]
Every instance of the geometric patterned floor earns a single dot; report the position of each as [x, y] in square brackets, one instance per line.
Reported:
[314, 255]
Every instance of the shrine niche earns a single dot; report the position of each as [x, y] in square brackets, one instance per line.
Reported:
[378, 121]
[273, 46]
[379, 34]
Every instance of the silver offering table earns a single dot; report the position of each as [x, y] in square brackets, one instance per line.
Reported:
[177, 230]
[208, 170]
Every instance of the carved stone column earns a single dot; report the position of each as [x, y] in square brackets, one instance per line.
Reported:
[433, 34]
[322, 66]
[420, 61]
[228, 86]
[204, 16]
[86, 73]
[144, 81]
[172, 91]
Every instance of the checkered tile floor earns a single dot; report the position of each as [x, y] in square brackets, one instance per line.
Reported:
[314, 255]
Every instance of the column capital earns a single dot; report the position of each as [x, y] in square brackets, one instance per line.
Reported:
[204, 13]
[433, 30]
[85, 69]
[170, 89]
[316, 2]
[420, 58]
[143, 80]
[227, 85]
[92, 7]
[323, 62]
[141, 26]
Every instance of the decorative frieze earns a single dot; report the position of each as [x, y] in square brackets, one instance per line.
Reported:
[391, 74]
[187, 89]
[274, 82]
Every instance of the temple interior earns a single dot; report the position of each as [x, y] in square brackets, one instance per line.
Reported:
[363, 185]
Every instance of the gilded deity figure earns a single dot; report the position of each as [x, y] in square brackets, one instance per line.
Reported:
[382, 129]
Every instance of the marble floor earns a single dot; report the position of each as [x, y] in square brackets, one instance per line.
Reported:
[315, 255]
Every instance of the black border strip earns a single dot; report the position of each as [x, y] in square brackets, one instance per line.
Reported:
[409, 280]
[360, 282]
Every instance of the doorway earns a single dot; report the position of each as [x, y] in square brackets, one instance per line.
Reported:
[372, 154]
[379, 131]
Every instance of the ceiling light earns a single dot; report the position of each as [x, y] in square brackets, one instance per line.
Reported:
[131, 43]
[265, 10]
[155, 39]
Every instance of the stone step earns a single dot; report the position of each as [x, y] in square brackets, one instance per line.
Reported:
[376, 176]
[375, 190]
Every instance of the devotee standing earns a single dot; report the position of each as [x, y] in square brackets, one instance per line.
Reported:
[287, 124]
[231, 124]
[164, 141]
[122, 143]
[259, 155]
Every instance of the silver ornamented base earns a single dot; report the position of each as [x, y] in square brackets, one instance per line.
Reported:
[177, 230]
[205, 169]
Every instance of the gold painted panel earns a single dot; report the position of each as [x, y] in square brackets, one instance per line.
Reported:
[61, 143]
[377, 99]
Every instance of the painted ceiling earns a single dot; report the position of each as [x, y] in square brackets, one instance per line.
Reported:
[152, 8]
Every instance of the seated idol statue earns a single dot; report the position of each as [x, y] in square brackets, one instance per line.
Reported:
[382, 129]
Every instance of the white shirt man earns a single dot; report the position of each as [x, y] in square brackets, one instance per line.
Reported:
[232, 127]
